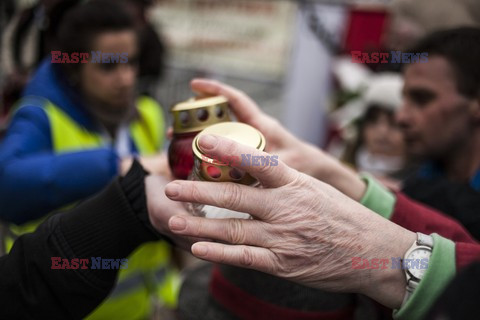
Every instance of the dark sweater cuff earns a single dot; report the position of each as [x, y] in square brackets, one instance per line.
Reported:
[133, 185]
[106, 225]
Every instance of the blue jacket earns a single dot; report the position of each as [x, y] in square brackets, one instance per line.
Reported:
[33, 180]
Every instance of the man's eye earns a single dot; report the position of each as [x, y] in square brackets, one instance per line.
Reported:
[421, 98]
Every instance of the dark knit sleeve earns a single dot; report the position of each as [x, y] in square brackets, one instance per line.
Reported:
[133, 185]
[109, 225]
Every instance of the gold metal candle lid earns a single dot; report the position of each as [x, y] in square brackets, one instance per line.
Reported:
[214, 169]
[196, 114]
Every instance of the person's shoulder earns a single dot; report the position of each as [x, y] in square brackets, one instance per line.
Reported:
[30, 105]
[147, 100]
[30, 109]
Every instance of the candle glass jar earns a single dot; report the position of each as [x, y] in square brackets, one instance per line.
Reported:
[209, 168]
[189, 118]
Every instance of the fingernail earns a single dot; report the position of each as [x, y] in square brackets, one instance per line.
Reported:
[177, 223]
[199, 249]
[208, 142]
[173, 189]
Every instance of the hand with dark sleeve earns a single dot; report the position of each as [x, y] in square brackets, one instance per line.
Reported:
[109, 225]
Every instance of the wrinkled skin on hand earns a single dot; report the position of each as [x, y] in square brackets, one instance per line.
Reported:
[304, 230]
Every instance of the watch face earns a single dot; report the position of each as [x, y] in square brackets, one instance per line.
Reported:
[417, 262]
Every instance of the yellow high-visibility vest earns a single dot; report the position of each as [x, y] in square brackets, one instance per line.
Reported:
[150, 278]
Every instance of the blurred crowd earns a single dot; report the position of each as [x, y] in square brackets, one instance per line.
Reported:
[68, 130]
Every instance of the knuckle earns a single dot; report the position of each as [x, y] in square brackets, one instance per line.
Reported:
[246, 257]
[265, 170]
[235, 233]
[195, 193]
[231, 196]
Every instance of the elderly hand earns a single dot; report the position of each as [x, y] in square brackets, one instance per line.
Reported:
[304, 230]
[294, 152]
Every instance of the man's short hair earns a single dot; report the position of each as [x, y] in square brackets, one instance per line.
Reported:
[461, 48]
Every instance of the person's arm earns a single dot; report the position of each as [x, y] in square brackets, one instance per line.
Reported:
[33, 176]
[411, 214]
[449, 256]
[109, 225]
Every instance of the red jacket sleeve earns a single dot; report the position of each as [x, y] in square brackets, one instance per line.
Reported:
[418, 217]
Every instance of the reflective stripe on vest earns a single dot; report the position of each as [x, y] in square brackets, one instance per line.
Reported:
[132, 301]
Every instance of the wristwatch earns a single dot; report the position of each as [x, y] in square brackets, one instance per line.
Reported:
[415, 262]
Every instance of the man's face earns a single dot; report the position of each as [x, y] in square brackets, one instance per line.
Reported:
[435, 118]
[111, 85]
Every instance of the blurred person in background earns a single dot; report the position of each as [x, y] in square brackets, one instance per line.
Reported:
[440, 120]
[377, 146]
[26, 40]
[76, 127]
[414, 19]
